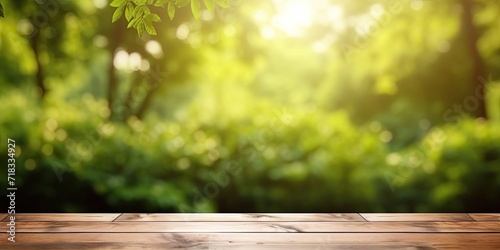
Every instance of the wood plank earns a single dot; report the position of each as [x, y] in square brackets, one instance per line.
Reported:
[3, 216]
[65, 217]
[250, 227]
[257, 240]
[416, 217]
[485, 217]
[239, 217]
[156, 246]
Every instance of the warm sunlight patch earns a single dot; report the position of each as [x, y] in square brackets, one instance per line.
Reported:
[294, 16]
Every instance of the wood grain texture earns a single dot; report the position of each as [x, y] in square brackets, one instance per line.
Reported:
[227, 217]
[417, 217]
[3, 216]
[260, 227]
[255, 241]
[485, 217]
[160, 246]
[255, 231]
[66, 217]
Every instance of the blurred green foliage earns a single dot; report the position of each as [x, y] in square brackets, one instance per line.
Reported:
[298, 161]
[453, 168]
[237, 111]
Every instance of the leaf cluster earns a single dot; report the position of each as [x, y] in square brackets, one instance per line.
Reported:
[140, 17]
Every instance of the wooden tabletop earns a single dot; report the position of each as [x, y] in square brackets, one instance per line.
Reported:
[253, 231]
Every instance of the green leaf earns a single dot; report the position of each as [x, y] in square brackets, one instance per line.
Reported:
[182, 3]
[138, 11]
[129, 11]
[149, 27]
[140, 28]
[171, 10]
[1, 11]
[160, 3]
[139, 21]
[223, 3]
[140, 2]
[117, 3]
[210, 5]
[133, 23]
[118, 13]
[153, 17]
[196, 8]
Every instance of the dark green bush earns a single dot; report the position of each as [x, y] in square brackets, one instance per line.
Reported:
[454, 168]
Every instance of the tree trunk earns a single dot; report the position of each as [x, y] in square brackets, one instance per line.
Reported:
[471, 36]
[146, 102]
[114, 41]
[152, 85]
[131, 99]
[39, 78]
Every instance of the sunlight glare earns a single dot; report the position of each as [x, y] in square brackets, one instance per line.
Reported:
[267, 32]
[120, 60]
[260, 16]
[134, 62]
[153, 47]
[335, 18]
[293, 16]
[100, 4]
[182, 32]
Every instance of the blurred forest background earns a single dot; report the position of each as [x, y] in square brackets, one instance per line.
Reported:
[266, 106]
